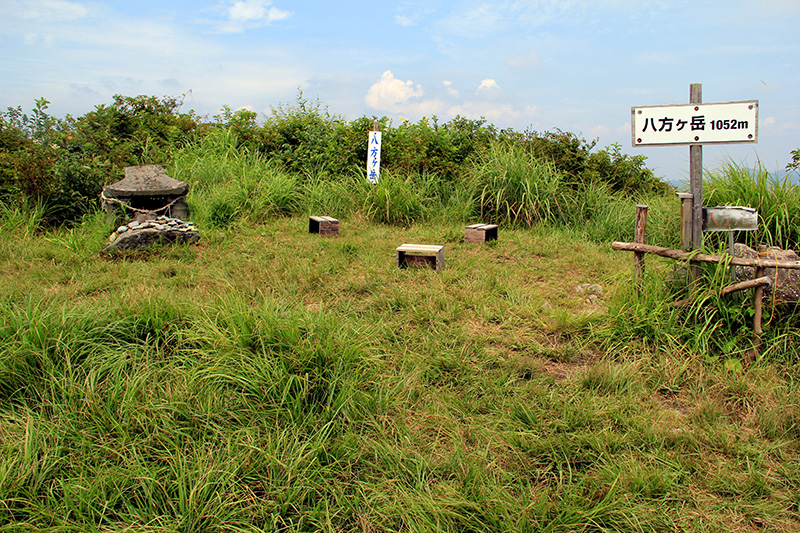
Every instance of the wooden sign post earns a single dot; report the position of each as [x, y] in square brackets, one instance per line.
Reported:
[695, 124]
[696, 183]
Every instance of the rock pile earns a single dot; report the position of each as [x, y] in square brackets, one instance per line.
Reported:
[785, 288]
[592, 291]
[143, 233]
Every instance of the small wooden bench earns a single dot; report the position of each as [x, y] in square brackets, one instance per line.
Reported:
[325, 226]
[478, 233]
[424, 255]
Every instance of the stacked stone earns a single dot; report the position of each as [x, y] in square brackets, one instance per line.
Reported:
[136, 234]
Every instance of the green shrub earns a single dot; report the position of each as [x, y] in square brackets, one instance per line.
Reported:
[139, 130]
[298, 135]
[573, 157]
[465, 168]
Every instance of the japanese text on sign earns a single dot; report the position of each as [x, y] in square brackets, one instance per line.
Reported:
[733, 122]
[374, 156]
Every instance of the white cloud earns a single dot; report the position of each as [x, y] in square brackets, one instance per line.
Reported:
[487, 85]
[623, 130]
[768, 121]
[404, 20]
[489, 89]
[784, 126]
[450, 90]
[425, 108]
[54, 10]
[496, 113]
[391, 94]
[409, 14]
[120, 53]
[475, 22]
[247, 14]
[599, 131]
[492, 17]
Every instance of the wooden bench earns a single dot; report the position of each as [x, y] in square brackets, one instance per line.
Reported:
[477, 233]
[423, 255]
[325, 226]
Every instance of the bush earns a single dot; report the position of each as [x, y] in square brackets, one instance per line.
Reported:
[141, 130]
[39, 167]
[573, 157]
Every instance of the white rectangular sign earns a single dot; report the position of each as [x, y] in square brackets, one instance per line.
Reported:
[732, 122]
[374, 156]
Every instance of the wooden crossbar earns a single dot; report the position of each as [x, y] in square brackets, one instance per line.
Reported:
[683, 255]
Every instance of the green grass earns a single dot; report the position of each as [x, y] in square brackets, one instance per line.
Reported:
[776, 199]
[268, 379]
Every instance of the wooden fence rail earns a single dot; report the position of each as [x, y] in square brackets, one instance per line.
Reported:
[683, 255]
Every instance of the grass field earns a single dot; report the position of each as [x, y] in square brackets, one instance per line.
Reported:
[268, 379]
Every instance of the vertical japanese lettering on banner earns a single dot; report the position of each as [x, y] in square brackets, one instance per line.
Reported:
[374, 156]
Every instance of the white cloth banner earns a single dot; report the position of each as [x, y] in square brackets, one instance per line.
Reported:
[374, 156]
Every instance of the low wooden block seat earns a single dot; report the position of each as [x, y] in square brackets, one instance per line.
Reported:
[325, 226]
[477, 233]
[423, 255]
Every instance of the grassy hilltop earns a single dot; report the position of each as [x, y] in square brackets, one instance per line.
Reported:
[268, 379]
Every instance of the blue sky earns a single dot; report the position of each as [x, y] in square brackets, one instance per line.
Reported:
[576, 65]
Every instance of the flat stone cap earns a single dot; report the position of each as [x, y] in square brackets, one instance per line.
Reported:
[148, 180]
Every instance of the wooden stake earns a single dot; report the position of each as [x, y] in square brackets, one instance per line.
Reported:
[640, 234]
[758, 305]
[686, 219]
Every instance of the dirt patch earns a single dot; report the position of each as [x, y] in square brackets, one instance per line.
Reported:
[561, 371]
[672, 402]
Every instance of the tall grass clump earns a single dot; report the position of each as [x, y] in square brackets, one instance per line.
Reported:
[775, 197]
[398, 199]
[333, 196]
[298, 367]
[510, 185]
[23, 218]
[230, 181]
[606, 216]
